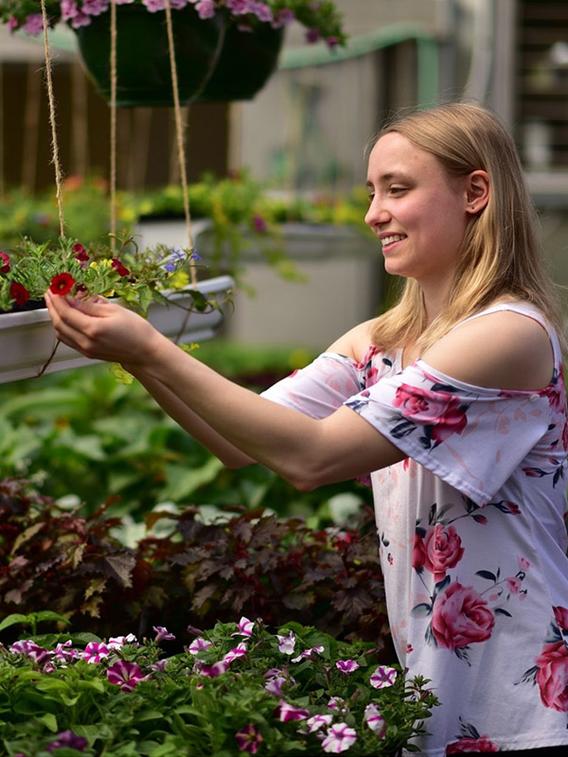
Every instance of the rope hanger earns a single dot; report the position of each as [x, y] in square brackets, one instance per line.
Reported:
[113, 128]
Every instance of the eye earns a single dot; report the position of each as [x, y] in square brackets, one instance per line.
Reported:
[396, 189]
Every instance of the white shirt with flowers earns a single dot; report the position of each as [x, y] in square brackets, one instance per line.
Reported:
[472, 539]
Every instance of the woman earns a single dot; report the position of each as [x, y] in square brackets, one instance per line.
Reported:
[454, 399]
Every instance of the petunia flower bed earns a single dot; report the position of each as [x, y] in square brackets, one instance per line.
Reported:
[66, 266]
[236, 689]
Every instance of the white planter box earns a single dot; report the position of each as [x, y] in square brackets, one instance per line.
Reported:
[27, 339]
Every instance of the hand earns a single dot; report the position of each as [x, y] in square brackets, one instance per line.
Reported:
[102, 330]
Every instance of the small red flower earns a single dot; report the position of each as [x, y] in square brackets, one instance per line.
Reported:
[121, 269]
[80, 252]
[4, 262]
[19, 293]
[62, 284]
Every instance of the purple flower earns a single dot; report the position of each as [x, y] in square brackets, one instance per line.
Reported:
[198, 645]
[33, 24]
[318, 721]
[307, 653]
[274, 685]
[245, 627]
[375, 720]
[68, 9]
[94, 7]
[347, 666]
[154, 5]
[283, 18]
[117, 642]
[162, 634]
[239, 7]
[30, 649]
[67, 739]
[64, 652]
[259, 224]
[312, 35]
[286, 644]
[261, 11]
[233, 654]
[331, 42]
[127, 675]
[336, 703]
[211, 671]
[81, 19]
[339, 738]
[383, 677]
[287, 712]
[249, 739]
[95, 652]
[12, 23]
[205, 9]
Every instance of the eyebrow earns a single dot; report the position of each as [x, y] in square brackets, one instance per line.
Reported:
[386, 177]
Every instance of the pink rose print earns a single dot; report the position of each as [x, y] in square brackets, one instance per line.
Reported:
[418, 553]
[463, 746]
[561, 617]
[552, 675]
[461, 617]
[439, 409]
[443, 550]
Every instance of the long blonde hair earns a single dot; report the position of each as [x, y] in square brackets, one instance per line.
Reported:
[500, 255]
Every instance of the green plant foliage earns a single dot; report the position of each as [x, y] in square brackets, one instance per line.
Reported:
[251, 563]
[84, 433]
[237, 688]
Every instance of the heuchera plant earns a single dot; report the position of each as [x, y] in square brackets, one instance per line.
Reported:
[67, 267]
[320, 17]
[236, 689]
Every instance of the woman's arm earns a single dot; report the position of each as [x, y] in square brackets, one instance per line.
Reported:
[306, 452]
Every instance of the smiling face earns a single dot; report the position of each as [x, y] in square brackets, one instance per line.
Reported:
[417, 210]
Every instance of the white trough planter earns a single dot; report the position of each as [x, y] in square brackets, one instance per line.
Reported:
[27, 339]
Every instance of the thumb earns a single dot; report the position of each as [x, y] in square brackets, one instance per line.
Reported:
[89, 304]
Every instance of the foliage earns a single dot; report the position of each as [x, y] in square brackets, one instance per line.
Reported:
[83, 433]
[237, 688]
[252, 563]
[321, 19]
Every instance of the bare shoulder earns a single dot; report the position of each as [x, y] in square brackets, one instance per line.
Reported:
[354, 343]
[505, 350]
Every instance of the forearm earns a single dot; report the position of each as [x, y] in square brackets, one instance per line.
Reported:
[276, 436]
[195, 426]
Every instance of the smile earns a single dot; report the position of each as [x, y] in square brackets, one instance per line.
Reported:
[386, 241]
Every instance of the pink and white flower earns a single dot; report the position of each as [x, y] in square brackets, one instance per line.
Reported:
[375, 720]
[274, 685]
[211, 671]
[339, 738]
[308, 653]
[162, 634]
[383, 677]
[199, 645]
[233, 654]
[245, 627]
[286, 644]
[127, 675]
[347, 666]
[95, 651]
[336, 703]
[249, 739]
[287, 712]
[117, 642]
[318, 721]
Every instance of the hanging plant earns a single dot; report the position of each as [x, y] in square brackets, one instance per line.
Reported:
[225, 49]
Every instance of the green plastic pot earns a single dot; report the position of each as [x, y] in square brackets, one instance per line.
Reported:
[247, 61]
[143, 63]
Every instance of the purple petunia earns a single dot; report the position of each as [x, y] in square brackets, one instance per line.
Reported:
[375, 720]
[249, 739]
[33, 24]
[127, 675]
[199, 645]
[233, 654]
[95, 651]
[67, 739]
[318, 721]
[382, 677]
[245, 627]
[287, 712]
[162, 634]
[307, 653]
[339, 738]
[286, 644]
[347, 666]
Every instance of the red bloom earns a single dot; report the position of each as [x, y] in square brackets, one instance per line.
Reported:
[121, 269]
[19, 293]
[62, 284]
[482, 744]
[4, 262]
[80, 252]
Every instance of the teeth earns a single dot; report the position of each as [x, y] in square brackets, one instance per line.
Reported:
[391, 239]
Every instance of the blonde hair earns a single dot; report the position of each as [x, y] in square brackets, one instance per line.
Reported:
[500, 255]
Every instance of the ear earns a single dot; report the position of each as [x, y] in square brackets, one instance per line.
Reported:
[477, 191]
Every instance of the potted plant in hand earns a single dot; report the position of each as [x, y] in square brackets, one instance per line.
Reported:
[156, 283]
[224, 49]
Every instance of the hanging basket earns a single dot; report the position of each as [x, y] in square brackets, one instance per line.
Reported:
[246, 62]
[143, 67]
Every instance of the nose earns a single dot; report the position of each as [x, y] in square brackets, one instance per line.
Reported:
[377, 214]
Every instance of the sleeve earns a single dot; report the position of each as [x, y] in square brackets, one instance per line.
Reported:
[319, 388]
[471, 437]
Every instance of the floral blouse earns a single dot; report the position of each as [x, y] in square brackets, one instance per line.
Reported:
[472, 538]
